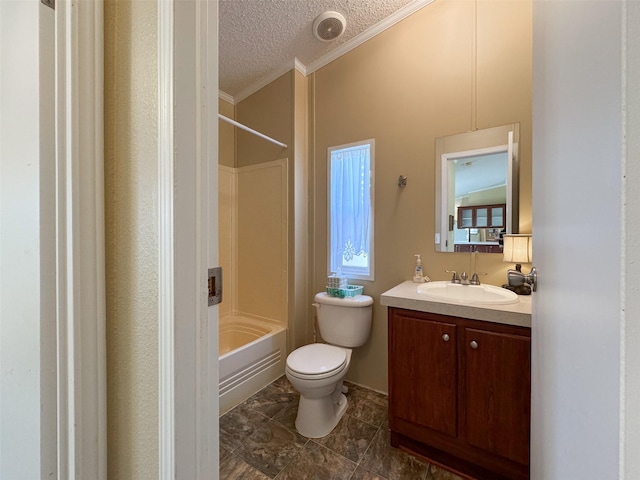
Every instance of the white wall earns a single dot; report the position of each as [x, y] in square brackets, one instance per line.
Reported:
[27, 311]
[578, 247]
[631, 405]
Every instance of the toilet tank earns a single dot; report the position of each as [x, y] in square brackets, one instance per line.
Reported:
[345, 322]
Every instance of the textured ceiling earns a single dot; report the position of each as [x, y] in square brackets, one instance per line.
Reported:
[261, 37]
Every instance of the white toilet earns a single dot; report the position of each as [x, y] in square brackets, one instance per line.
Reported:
[316, 370]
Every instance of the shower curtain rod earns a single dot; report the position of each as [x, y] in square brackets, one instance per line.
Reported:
[251, 130]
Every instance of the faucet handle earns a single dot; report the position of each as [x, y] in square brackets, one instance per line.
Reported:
[455, 278]
[474, 278]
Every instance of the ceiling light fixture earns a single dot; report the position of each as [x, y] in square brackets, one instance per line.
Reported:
[329, 25]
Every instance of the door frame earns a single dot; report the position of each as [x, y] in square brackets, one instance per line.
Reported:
[188, 232]
[81, 446]
[187, 202]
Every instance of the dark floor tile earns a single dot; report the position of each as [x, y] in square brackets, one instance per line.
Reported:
[234, 468]
[284, 383]
[316, 462]
[383, 459]
[254, 447]
[271, 400]
[287, 416]
[362, 473]
[439, 473]
[367, 405]
[223, 453]
[270, 448]
[237, 424]
[350, 438]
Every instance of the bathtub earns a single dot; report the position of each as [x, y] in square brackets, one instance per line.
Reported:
[252, 355]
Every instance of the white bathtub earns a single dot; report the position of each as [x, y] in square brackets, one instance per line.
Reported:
[252, 355]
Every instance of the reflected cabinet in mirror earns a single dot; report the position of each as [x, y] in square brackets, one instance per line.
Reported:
[476, 189]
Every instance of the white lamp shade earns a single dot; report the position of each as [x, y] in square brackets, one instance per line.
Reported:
[517, 248]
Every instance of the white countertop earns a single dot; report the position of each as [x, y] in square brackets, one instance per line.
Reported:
[406, 296]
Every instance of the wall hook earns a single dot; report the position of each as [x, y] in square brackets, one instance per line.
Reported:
[402, 181]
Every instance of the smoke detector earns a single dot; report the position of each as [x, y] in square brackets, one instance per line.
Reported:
[328, 26]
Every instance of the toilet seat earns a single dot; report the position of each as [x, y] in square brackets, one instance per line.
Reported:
[316, 361]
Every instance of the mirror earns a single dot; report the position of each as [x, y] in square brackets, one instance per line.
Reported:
[476, 189]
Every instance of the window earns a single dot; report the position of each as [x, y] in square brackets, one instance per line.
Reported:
[350, 205]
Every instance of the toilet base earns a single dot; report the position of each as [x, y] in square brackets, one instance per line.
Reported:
[317, 417]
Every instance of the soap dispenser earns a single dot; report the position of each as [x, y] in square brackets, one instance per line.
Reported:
[418, 275]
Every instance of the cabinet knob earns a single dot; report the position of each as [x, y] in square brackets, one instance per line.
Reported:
[445, 337]
[473, 344]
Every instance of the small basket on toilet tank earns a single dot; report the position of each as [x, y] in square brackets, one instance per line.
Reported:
[346, 291]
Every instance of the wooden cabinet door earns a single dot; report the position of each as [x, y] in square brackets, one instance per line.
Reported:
[497, 391]
[423, 373]
[481, 217]
[497, 216]
[466, 217]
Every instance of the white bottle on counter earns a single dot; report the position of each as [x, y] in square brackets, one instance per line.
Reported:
[418, 275]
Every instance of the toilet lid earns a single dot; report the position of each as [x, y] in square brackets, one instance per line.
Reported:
[316, 359]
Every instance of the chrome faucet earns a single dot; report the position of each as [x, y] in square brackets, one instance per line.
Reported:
[475, 280]
[463, 279]
[455, 278]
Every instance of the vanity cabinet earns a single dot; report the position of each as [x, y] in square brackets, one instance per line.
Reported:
[482, 216]
[424, 372]
[459, 392]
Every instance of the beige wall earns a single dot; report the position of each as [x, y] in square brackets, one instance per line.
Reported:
[227, 207]
[281, 111]
[300, 238]
[253, 208]
[421, 79]
[131, 237]
[269, 111]
[262, 260]
[226, 135]
[505, 73]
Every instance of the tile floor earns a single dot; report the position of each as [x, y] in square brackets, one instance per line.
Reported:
[258, 441]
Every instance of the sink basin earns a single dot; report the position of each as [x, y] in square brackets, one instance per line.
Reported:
[472, 294]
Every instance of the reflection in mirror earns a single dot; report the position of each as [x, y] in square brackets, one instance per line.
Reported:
[476, 189]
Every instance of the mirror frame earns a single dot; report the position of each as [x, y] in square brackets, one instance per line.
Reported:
[488, 140]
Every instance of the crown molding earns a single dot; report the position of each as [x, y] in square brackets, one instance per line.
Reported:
[346, 47]
[270, 77]
[368, 34]
[226, 97]
[301, 67]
